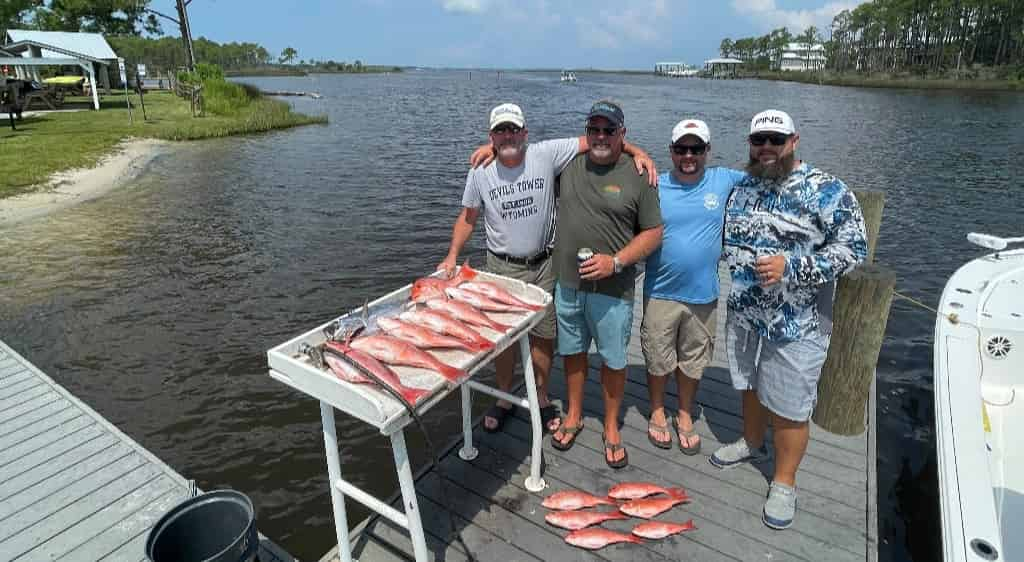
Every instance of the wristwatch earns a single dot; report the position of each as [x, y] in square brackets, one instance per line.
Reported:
[616, 264]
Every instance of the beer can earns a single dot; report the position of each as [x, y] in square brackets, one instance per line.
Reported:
[583, 254]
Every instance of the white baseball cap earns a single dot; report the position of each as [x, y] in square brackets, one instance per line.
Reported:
[694, 127]
[772, 121]
[507, 113]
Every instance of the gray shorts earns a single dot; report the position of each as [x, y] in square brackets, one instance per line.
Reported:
[784, 374]
[541, 275]
[677, 335]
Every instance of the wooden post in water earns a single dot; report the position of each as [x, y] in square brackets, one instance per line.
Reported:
[860, 313]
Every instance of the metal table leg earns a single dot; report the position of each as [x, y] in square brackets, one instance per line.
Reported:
[334, 475]
[409, 503]
[534, 482]
[468, 452]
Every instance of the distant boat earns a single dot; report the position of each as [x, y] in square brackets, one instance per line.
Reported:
[979, 363]
[568, 76]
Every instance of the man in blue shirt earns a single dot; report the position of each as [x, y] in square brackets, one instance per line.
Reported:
[681, 284]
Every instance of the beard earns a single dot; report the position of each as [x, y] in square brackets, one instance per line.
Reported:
[511, 150]
[782, 167]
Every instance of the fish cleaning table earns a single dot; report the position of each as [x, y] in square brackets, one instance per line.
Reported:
[288, 364]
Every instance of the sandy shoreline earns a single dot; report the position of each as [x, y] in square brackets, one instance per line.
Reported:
[69, 188]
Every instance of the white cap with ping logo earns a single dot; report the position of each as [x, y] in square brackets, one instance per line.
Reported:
[772, 121]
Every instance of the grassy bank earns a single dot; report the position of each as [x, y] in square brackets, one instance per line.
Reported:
[894, 81]
[51, 142]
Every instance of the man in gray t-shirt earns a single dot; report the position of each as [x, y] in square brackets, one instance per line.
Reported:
[517, 196]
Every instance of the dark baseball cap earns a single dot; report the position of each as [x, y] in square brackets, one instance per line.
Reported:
[609, 110]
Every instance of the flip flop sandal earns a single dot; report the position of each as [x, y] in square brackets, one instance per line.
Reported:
[548, 413]
[571, 431]
[662, 429]
[498, 413]
[612, 448]
[689, 435]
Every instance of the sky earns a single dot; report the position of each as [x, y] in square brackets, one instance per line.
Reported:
[607, 34]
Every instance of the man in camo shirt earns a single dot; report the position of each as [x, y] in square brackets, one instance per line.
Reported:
[790, 231]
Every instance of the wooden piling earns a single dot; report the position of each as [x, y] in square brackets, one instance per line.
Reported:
[860, 312]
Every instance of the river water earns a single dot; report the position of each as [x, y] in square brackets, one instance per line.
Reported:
[156, 304]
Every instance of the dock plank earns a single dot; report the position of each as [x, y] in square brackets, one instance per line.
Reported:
[41, 486]
[715, 434]
[72, 485]
[836, 517]
[127, 537]
[40, 532]
[46, 419]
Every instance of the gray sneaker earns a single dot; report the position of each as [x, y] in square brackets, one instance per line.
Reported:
[780, 507]
[737, 453]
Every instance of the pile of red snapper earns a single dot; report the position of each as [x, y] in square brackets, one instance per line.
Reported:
[442, 314]
[631, 499]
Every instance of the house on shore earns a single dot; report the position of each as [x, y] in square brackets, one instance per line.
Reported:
[25, 51]
[802, 56]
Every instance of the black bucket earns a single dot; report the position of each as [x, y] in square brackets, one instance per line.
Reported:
[218, 526]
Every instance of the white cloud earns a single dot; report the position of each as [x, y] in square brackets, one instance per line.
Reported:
[465, 6]
[640, 22]
[771, 16]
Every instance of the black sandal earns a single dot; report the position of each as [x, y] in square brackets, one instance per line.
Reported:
[612, 448]
[548, 413]
[498, 413]
[571, 431]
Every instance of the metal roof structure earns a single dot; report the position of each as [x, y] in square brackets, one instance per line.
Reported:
[91, 45]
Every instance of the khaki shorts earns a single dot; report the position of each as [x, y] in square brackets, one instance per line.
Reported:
[678, 335]
[541, 275]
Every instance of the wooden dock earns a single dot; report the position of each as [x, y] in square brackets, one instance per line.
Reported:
[498, 520]
[73, 486]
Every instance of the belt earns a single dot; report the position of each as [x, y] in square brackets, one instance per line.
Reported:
[534, 260]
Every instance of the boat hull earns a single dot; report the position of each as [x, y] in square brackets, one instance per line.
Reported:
[979, 368]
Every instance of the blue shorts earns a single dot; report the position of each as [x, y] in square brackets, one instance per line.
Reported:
[584, 317]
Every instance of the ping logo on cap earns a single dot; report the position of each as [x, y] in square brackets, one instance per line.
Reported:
[767, 119]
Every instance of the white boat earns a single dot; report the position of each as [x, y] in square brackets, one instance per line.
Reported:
[979, 366]
[568, 76]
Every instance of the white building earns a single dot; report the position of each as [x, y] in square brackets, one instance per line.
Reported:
[802, 56]
[28, 50]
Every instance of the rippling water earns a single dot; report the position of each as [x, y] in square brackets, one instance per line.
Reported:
[156, 304]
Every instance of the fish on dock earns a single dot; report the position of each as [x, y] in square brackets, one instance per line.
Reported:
[575, 520]
[431, 287]
[337, 355]
[420, 336]
[481, 302]
[637, 490]
[466, 313]
[646, 508]
[661, 529]
[570, 500]
[498, 293]
[593, 539]
[443, 323]
[394, 351]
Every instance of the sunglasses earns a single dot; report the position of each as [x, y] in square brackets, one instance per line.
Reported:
[597, 130]
[682, 149]
[500, 129]
[776, 139]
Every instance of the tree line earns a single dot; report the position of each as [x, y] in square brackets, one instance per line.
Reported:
[922, 36]
[928, 35]
[123, 22]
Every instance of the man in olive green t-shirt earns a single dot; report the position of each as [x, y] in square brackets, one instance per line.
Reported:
[605, 206]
